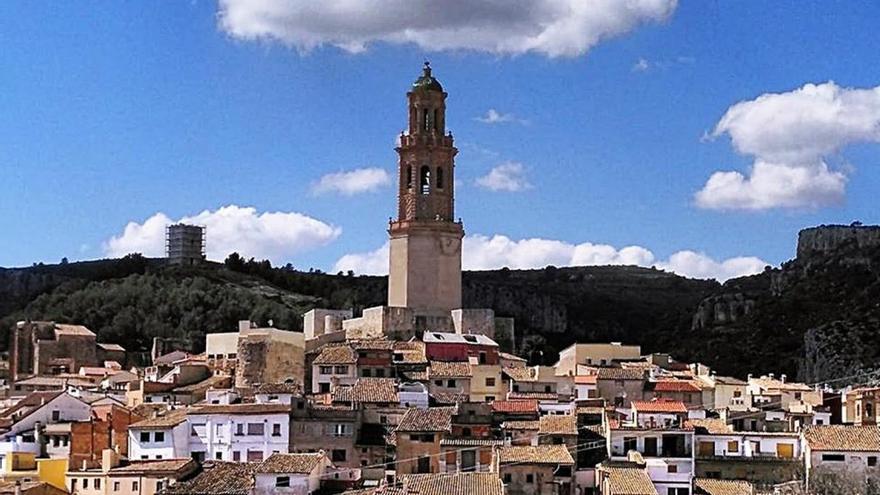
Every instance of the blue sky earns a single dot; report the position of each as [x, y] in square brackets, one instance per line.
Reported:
[112, 114]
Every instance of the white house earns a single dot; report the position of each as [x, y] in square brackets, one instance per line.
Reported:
[294, 474]
[163, 437]
[34, 411]
[239, 432]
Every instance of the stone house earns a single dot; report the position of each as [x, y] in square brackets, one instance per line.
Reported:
[686, 391]
[536, 470]
[331, 428]
[49, 348]
[450, 380]
[624, 477]
[840, 454]
[486, 383]
[620, 386]
[336, 364]
[599, 354]
[419, 436]
[441, 346]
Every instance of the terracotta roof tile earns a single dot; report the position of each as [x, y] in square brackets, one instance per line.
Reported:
[843, 438]
[218, 478]
[164, 420]
[515, 406]
[450, 398]
[674, 386]
[430, 419]
[520, 374]
[290, 463]
[723, 487]
[621, 374]
[64, 329]
[532, 395]
[336, 354]
[659, 406]
[586, 379]
[156, 466]
[629, 480]
[521, 425]
[711, 426]
[369, 390]
[558, 424]
[449, 369]
[534, 454]
[279, 388]
[249, 408]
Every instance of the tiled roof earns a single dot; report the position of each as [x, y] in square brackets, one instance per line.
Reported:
[63, 329]
[169, 419]
[520, 374]
[373, 345]
[590, 410]
[510, 357]
[515, 406]
[558, 424]
[534, 454]
[218, 478]
[454, 484]
[629, 480]
[413, 375]
[430, 419]
[111, 347]
[278, 388]
[711, 426]
[449, 397]
[673, 386]
[843, 438]
[155, 466]
[621, 374]
[449, 369]
[768, 383]
[659, 406]
[30, 402]
[290, 463]
[521, 425]
[249, 408]
[533, 395]
[729, 380]
[369, 390]
[410, 352]
[336, 354]
[722, 487]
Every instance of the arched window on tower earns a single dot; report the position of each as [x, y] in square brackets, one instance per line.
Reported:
[425, 179]
[409, 176]
[439, 178]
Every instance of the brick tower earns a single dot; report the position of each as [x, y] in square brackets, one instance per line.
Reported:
[425, 258]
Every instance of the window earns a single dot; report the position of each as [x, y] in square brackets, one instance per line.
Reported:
[465, 432]
[427, 437]
[325, 370]
[650, 449]
[97, 483]
[366, 372]
[833, 457]
[56, 415]
[425, 178]
[255, 428]
[869, 410]
[324, 387]
[282, 481]
[424, 465]
[218, 456]
[159, 436]
[482, 357]
[439, 383]
[116, 486]
[671, 468]
[507, 478]
[676, 491]
[232, 355]
[239, 429]
[158, 457]
[255, 456]
[145, 436]
[450, 383]
[341, 370]
[797, 396]
[490, 382]
[439, 178]
[409, 176]
[530, 478]
[548, 389]
[134, 486]
[737, 393]
[341, 430]
[490, 398]
[160, 485]
[236, 456]
[276, 430]
[73, 485]
[629, 443]
[85, 483]
[733, 446]
[338, 455]
[872, 460]
[380, 373]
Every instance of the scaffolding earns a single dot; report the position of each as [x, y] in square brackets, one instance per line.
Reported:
[185, 244]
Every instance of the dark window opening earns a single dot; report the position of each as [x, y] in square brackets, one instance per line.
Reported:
[425, 180]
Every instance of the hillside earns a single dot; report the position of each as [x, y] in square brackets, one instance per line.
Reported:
[817, 317]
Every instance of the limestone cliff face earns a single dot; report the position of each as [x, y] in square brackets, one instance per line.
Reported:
[828, 239]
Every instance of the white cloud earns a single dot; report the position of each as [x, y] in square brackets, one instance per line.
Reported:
[549, 27]
[276, 236]
[792, 135]
[351, 182]
[495, 117]
[508, 176]
[641, 65]
[481, 252]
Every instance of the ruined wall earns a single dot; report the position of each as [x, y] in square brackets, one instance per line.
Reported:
[262, 359]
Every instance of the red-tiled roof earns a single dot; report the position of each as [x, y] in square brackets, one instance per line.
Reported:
[515, 406]
[661, 406]
[675, 386]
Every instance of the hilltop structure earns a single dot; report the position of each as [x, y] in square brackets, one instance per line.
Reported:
[424, 281]
[185, 244]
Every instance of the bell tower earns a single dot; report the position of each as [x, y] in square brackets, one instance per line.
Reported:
[425, 255]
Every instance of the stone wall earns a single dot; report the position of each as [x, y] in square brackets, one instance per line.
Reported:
[264, 359]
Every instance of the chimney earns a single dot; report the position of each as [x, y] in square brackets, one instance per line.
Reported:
[749, 378]
[17, 487]
[771, 375]
[782, 377]
[109, 460]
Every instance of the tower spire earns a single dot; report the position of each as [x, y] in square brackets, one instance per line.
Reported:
[425, 256]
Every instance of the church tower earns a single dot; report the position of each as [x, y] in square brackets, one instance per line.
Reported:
[425, 257]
